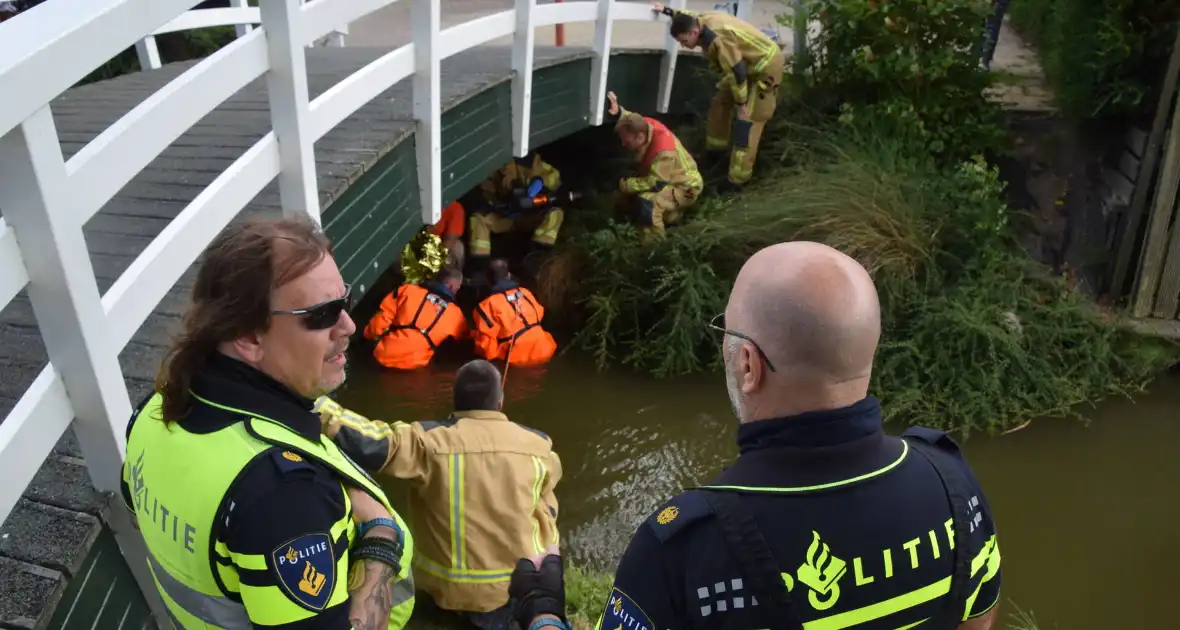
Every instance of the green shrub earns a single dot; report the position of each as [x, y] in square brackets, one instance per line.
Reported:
[1102, 57]
[913, 65]
[585, 595]
[972, 339]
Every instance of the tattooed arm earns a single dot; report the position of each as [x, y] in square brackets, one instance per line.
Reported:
[370, 587]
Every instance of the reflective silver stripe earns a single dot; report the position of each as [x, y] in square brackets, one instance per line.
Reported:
[211, 609]
[403, 590]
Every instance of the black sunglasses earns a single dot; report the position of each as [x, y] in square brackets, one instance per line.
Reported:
[325, 314]
[718, 324]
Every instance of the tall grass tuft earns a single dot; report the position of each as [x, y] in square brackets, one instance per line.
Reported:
[974, 336]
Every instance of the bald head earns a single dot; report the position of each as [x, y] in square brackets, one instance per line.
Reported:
[813, 311]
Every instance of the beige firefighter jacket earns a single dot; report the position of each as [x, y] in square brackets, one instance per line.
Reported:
[737, 41]
[482, 495]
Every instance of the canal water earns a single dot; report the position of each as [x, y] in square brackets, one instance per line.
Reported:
[1087, 511]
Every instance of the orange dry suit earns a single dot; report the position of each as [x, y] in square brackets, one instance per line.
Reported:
[412, 322]
[511, 317]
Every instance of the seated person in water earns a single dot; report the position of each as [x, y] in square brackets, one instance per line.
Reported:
[508, 322]
[450, 228]
[415, 319]
[482, 491]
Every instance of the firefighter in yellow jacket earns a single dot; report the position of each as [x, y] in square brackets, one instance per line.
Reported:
[500, 193]
[751, 68]
[483, 494]
[668, 179]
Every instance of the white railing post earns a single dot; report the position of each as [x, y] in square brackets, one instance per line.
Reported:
[523, 44]
[745, 8]
[668, 65]
[148, 53]
[336, 37]
[34, 194]
[286, 85]
[241, 29]
[600, 65]
[427, 107]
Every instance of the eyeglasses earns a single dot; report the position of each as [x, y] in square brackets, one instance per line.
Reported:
[718, 324]
[322, 315]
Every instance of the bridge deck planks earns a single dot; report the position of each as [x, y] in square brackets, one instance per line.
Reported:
[48, 534]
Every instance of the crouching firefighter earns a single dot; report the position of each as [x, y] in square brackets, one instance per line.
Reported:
[522, 196]
[751, 68]
[250, 516]
[415, 320]
[669, 180]
[508, 323]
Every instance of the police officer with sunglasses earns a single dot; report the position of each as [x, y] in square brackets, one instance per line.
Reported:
[251, 517]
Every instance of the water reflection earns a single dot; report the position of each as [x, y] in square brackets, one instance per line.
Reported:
[1081, 509]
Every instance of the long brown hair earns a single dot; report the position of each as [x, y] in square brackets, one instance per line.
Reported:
[231, 295]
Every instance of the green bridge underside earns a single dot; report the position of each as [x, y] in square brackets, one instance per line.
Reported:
[59, 567]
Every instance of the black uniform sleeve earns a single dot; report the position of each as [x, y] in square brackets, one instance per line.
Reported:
[284, 540]
[641, 596]
[984, 585]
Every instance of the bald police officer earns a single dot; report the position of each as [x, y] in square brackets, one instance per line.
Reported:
[823, 520]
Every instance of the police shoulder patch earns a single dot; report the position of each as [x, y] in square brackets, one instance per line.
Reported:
[933, 437]
[306, 568]
[674, 515]
[622, 612]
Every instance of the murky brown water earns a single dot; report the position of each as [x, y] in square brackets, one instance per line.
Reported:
[1088, 514]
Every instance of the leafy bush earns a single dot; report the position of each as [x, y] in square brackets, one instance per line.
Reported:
[1102, 57]
[972, 339]
[914, 65]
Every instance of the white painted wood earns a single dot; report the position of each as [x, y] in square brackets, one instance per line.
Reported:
[29, 432]
[523, 46]
[427, 112]
[286, 86]
[39, 53]
[204, 18]
[634, 12]
[241, 30]
[336, 37]
[600, 65]
[64, 294]
[13, 275]
[668, 64]
[100, 169]
[745, 9]
[147, 53]
[566, 12]
[321, 17]
[152, 274]
[341, 100]
[477, 32]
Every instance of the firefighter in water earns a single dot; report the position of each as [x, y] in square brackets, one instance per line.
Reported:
[415, 319]
[751, 68]
[508, 323]
[482, 491]
[670, 181]
[502, 193]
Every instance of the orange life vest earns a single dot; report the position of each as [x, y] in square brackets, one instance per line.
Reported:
[661, 140]
[411, 324]
[510, 319]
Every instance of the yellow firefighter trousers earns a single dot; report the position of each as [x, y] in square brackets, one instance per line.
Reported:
[666, 205]
[483, 225]
[763, 100]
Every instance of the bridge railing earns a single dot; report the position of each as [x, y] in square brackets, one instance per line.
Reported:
[46, 200]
